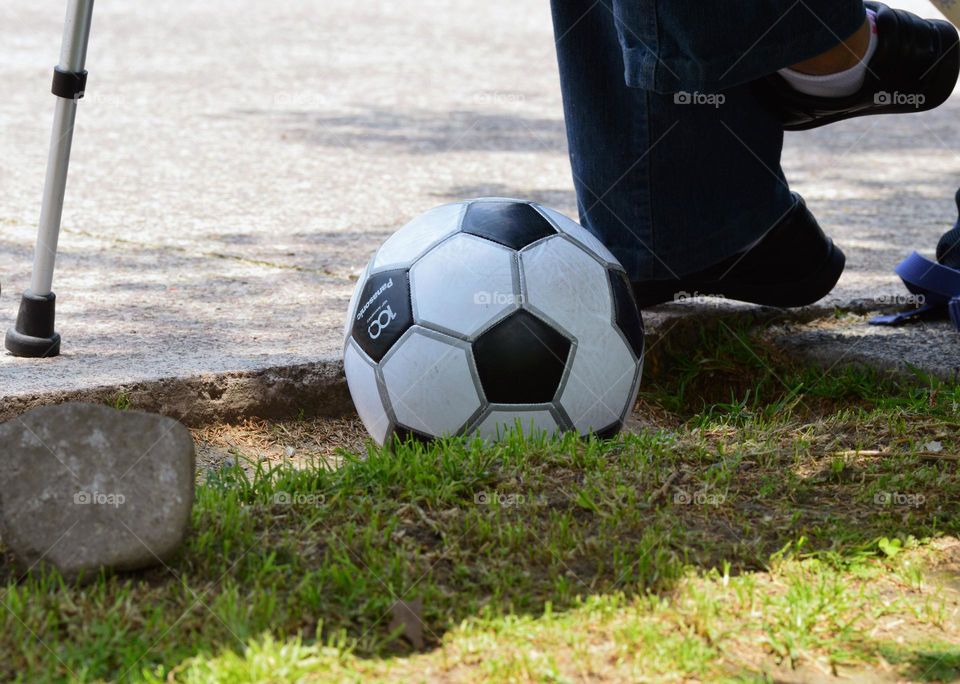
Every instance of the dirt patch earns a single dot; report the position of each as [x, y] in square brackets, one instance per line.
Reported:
[299, 442]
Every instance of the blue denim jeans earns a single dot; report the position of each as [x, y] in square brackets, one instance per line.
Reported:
[675, 161]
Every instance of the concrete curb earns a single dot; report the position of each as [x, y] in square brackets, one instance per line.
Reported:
[313, 389]
[319, 388]
[920, 351]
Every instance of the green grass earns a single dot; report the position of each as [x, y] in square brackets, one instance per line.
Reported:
[781, 543]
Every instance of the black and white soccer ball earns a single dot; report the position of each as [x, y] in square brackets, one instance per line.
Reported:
[480, 315]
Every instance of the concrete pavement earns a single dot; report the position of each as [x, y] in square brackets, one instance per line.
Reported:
[236, 162]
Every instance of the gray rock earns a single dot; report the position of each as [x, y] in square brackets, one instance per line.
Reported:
[85, 487]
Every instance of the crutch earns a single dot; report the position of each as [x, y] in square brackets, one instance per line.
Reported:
[34, 335]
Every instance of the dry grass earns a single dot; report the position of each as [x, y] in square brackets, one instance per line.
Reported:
[295, 442]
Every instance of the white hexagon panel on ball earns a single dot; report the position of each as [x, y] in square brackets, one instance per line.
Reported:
[413, 240]
[431, 384]
[464, 285]
[362, 381]
[502, 420]
[602, 382]
[567, 285]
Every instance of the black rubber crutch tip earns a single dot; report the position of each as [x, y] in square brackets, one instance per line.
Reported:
[34, 336]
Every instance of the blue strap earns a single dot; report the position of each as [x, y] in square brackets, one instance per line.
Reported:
[924, 276]
[924, 312]
[939, 285]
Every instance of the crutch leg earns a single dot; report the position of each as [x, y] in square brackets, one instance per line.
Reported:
[34, 334]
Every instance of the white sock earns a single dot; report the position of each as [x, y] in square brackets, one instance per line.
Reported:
[840, 84]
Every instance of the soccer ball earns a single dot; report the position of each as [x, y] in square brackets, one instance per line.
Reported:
[489, 314]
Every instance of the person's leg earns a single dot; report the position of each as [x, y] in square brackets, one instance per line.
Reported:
[686, 188]
[671, 184]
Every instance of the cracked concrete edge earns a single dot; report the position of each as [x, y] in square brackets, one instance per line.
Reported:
[320, 389]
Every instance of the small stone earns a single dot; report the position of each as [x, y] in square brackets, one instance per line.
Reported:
[86, 487]
[933, 447]
[290, 451]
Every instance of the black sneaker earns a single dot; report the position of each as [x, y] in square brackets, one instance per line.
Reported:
[793, 264]
[914, 69]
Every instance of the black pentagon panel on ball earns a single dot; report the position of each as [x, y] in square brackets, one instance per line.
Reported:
[626, 314]
[383, 313]
[610, 431]
[405, 435]
[514, 224]
[521, 360]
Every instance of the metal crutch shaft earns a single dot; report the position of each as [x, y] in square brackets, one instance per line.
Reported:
[34, 335]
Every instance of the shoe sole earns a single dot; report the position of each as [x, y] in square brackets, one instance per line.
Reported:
[809, 290]
[790, 295]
